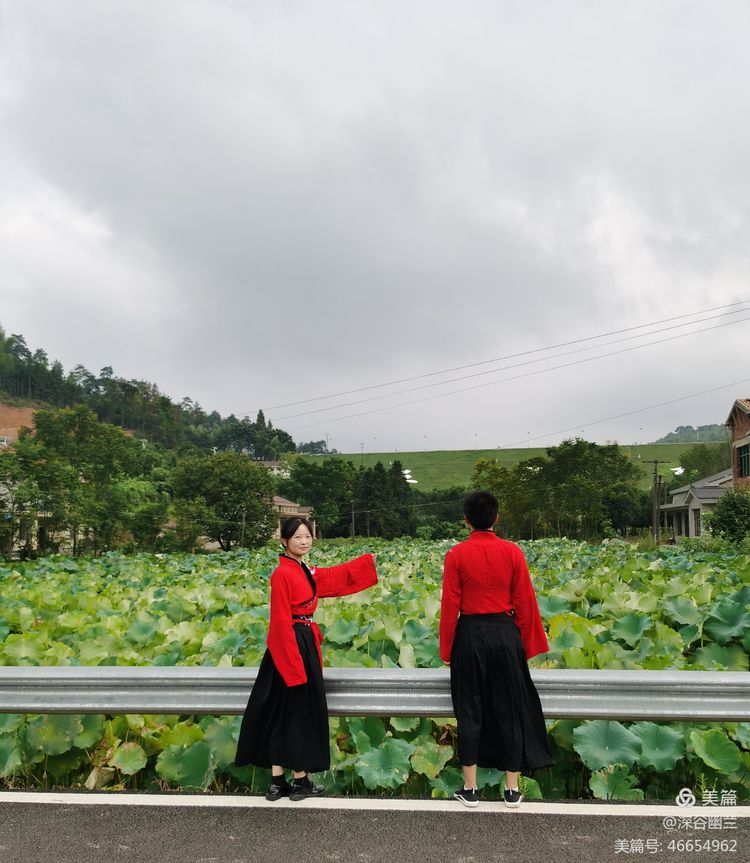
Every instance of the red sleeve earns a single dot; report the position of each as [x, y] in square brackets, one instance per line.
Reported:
[281, 640]
[450, 604]
[346, 578]
[527, 616]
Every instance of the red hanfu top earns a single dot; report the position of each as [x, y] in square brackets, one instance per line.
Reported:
[488, 575]
[292, 593]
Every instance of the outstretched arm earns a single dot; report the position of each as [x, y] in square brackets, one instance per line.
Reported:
[346, 578]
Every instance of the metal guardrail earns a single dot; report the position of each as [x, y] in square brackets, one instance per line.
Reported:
[577, 694]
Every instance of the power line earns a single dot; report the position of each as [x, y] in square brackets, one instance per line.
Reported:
[513, 366]
[508, 356]
[580, 425]
[514, 377]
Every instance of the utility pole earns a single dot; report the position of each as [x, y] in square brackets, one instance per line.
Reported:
[352, 519]
[655, 525]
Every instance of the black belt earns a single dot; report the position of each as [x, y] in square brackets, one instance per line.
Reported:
[303, 618]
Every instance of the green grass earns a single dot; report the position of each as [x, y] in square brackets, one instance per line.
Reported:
[445, 468]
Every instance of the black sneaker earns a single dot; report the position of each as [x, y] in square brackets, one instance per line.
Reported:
[467, 796]
[303, 787]
[277, 789]
[513, 798]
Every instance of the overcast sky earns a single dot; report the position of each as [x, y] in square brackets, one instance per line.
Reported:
[255, 204]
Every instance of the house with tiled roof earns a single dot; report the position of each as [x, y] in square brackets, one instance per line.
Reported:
[289, 509]
[689, 503]
[739, 425]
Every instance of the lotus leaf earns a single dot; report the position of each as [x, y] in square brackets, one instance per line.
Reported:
[682, 609]
[342, 631]
[565, 640]
[407, 657]
[714, 657]
[93, 731]
[443, 786]
[10, 722]
[129, 759]
[631, 627]
[552, 605]
[615, 783]
[429, 758]
[742, 734]
[728, 619]
[24, 649]
[10, 756]
[387, 766]
[221, 735]
[601, 743]
[143, 630]
[404, 723]
[716, 750]
[62, 766]
[53, 734]
[661, 746]
[187, 766]
[182, 734]
[372, 727]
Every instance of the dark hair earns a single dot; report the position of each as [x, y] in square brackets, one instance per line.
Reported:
[290, 526]
[480, 509]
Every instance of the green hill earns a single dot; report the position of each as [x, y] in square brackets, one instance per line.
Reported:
[445, 468]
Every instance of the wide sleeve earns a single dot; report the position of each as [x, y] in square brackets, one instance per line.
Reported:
[527, 616]
[346, 578]
[281, 641]
[450, 604]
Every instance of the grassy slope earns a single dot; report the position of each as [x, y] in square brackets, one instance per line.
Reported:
[445, 468]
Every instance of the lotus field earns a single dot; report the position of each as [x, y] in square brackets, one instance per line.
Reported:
[606, 606]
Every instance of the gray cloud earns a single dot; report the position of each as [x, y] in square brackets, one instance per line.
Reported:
[254, 205]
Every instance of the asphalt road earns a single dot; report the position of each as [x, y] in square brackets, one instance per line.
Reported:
[32, 832]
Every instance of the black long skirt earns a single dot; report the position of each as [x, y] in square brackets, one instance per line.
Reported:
[287, 725]
[500, 719]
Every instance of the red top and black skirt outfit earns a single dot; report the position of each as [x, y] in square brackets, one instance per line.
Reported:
[286, 719]
[489, 627]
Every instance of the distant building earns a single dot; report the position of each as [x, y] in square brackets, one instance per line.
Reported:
[289, 509]
[739, 425]
[684, 513]
[277, 468]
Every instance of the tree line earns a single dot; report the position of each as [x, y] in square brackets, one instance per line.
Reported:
[87, 486]
[115, 464]
[136, 405]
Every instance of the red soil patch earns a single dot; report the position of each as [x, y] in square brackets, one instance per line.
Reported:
[12, 419]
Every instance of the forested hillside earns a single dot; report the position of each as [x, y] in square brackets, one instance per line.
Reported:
[28, 376]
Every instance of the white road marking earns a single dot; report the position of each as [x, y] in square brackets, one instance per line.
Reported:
[362, 804]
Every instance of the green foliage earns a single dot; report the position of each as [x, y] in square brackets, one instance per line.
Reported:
[704, 460]
[579, 489]
[232, 495]
[371, 501]
[132, 404]
[188, 766]
[615, 783]
[730, 519]
[129, 759]
[661, 746]
[605, 606]
[600, 743]
[715, 749]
